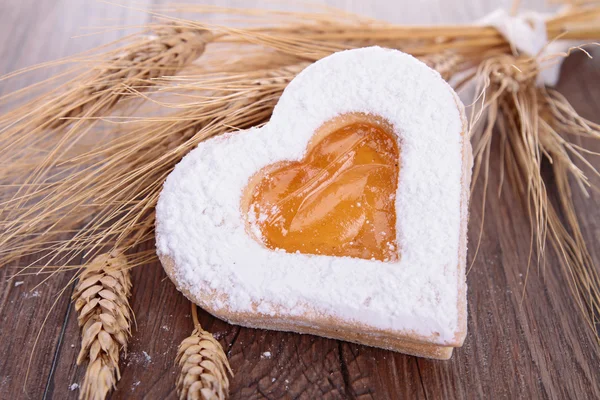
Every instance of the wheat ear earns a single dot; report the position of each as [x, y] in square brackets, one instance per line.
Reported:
[165, 53]
[102, 303]
[203, 365]
[64, 116]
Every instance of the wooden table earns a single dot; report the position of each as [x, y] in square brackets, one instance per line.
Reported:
[536, 348]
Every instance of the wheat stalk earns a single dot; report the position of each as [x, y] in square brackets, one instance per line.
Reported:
[65, 116]
[57, 120]
[534, 123]
[134, 166]
[164, 53]
[102, 302]
[203, 366]
[98, 90]
[316, 35]
[446, 63]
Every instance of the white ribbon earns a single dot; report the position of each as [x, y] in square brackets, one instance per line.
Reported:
[527, 33]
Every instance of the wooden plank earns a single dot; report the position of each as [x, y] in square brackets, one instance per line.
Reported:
[24, 304]
[536, 348]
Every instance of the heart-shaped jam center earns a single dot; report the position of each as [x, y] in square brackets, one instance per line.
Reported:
[339, 200]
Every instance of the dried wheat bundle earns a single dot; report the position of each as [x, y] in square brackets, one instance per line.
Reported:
[102, 302]
[536, 123]
[43, 130]
[129, 168]
[38, 136]
[316, 35]
[203, 366]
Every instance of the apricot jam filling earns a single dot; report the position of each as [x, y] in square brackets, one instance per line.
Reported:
[339, 200]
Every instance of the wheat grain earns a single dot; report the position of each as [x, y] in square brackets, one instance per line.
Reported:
[446, 63]
[166, 52]
[102, 303]
[203, 366]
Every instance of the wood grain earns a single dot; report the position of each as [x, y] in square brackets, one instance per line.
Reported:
[536, 347]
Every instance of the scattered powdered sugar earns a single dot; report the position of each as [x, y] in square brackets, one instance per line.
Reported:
[147, 357]
[134, 385]
[74, 386]
[219, 335]
[201, 228]
[137, 358]
[266, 354]
[35, 293]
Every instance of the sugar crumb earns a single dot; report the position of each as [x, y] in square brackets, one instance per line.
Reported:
[134, 385]
[219, 335]
[147, 357]
[142, 358]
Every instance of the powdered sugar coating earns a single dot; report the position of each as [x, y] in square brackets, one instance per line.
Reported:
[201, 228]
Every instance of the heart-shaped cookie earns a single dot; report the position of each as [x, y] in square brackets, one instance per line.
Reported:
[344, 216]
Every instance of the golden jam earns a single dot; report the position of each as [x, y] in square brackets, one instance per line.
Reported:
[338, 201]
